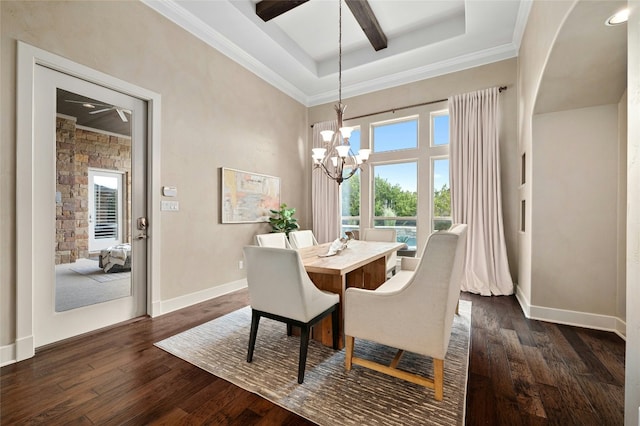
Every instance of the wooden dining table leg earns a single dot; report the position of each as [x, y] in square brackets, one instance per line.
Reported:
[374, 274]
[323, 331]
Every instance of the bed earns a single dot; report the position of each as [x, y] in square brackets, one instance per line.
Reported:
[115, 258]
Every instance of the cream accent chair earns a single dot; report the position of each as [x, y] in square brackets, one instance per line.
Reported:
[302, 239]
[384, 235]
[274, 239]
[413, 311]
[280, 289]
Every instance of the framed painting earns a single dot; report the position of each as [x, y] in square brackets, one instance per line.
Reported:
[247, 197]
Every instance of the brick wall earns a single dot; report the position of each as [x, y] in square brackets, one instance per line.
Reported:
[77, 150]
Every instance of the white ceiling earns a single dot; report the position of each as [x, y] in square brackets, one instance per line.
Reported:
[297, 52]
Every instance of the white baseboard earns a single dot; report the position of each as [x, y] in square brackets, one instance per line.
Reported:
[524, 302]
[621, 329]
[573, 318]
[7, 354]
[166, 306]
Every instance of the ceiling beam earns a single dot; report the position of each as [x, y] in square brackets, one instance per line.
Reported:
[269, 9]
[368, 22]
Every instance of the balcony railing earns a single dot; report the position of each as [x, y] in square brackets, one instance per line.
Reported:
[405, 227]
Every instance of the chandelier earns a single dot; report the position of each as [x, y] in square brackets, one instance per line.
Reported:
[336, 159]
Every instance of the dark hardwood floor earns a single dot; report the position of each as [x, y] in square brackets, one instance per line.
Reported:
[521, 372]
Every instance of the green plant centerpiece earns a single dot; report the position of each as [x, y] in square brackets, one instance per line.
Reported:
[282, 220]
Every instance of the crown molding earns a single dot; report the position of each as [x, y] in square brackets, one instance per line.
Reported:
[459, 63]
[174, 13]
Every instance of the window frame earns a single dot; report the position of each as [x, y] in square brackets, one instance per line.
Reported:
[422, 154]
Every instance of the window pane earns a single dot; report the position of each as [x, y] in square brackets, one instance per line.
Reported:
[106, 207]
[396, 199]
[405, 230]
[354, 143]
[354, 140]
[441, 129]
[350, 195]
[395, 136]
[441, 195]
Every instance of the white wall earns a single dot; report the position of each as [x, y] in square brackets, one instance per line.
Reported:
[632, 359]
[544, 22]
[621, 288]
[574, 211]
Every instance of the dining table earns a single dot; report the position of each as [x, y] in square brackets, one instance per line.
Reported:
[361, 264]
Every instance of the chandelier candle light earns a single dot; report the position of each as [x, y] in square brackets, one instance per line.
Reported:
[337, 157]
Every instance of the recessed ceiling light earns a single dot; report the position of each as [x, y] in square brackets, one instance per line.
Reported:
[88, 105]
[618, 18]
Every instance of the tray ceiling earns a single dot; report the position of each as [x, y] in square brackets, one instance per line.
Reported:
[297, 51]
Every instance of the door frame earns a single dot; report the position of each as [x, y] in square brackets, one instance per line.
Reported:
[28, 58]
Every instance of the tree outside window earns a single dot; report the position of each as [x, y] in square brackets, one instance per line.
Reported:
[396, 199]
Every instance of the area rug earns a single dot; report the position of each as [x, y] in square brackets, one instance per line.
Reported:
[329, 395]
[90, 269]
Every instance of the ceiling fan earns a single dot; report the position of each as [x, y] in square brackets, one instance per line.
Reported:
[91, 105]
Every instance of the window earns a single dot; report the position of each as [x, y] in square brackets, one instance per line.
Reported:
[350, 193]
[405, 185]
[395, 135]
[396, 199]
[441, 195]
[105, 208]
[441, 190]
[440, 128]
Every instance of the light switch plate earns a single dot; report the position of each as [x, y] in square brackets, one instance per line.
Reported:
[170, 206]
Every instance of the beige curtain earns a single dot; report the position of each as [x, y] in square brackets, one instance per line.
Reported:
[325, 202]
[475, 190]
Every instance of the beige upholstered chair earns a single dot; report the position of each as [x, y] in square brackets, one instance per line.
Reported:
[413, 311]
[385, 235]
[301, 239]
[274, 239]
[280, 289]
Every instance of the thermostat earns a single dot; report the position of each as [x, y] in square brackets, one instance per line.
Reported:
[169, 191]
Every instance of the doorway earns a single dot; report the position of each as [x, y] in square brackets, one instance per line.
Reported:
[67, 220]
[106, 205]
[37, 196]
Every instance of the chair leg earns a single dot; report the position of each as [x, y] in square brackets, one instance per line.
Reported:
[255, 320]
[335, 329]
[349, 341]
[289, 329]
[438, 378]
[304, 345]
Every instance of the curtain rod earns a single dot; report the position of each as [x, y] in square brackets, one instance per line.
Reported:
[500, 90]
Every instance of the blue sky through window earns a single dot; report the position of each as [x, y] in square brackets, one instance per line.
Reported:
[405, 174]
[441, 129]
[354, 140]
[440, 173]
[395, 136]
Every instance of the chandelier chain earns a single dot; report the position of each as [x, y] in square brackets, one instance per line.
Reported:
[336, 159]
[340, 53]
